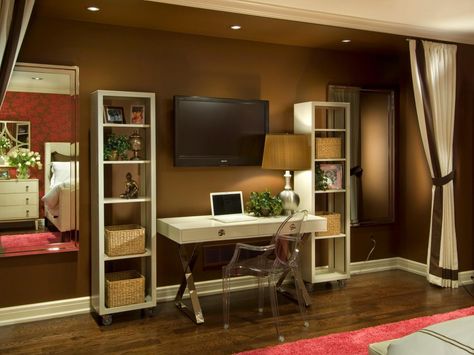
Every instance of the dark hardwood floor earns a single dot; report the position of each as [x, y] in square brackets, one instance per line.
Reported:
[367, 300]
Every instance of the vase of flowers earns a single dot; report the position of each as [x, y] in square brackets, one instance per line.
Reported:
[23, 160]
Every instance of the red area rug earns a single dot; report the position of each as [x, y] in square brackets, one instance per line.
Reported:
[12, 243]
[357, 342]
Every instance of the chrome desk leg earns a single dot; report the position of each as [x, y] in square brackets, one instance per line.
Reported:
[188, 261]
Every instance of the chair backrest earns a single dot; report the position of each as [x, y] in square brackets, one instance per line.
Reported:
[287, 239]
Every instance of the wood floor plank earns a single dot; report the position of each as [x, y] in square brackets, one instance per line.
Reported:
[367, 300]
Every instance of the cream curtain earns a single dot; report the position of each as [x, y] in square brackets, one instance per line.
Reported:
[434, 82]
[14, 18]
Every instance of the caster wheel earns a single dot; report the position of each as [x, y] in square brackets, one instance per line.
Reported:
[106, 320]
[341, 283]
[148, 312]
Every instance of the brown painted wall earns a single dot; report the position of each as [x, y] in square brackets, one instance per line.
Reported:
[168, 64]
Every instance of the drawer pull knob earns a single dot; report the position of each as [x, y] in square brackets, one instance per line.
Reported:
[292, 227]
[27, 188]
[27, 200]
[221, 232]
[27, 213]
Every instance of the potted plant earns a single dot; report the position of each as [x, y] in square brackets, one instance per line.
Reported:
[116, 147]
[263, 204]
[322, 181]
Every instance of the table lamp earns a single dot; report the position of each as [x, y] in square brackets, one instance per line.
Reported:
[287, 152]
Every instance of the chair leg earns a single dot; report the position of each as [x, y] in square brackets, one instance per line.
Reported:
[261, 294]
[299, 294]
[226, 295]
[274, 303]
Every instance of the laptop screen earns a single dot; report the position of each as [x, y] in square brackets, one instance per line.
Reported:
[226, 203]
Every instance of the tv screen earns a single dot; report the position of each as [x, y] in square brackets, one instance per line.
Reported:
[217, 131]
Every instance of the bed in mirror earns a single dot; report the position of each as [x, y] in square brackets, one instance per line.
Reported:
[38, 130]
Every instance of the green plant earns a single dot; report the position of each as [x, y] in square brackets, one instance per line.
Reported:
[322, 181]
[116, 143]
[264, 204]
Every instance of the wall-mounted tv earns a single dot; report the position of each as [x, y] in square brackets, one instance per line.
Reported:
[213, 131]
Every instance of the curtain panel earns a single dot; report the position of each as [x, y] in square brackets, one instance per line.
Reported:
[14, 18]
[433, 68]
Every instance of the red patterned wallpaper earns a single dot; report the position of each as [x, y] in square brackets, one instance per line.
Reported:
[51, 120]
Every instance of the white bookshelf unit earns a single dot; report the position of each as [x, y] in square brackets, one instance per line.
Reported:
[109, 209]
[326, 256]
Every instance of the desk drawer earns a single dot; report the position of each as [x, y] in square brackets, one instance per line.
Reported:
[25, 199]
[215, 233]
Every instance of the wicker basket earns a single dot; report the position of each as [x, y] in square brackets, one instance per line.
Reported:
[333, 223]
[124, 240]
[123, 288]
[328, 147]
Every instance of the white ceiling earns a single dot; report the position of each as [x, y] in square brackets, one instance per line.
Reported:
[434, 19]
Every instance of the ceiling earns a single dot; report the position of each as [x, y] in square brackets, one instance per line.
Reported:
[436, 19]
[262, 21]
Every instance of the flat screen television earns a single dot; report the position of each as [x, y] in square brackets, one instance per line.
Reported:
[213, 131]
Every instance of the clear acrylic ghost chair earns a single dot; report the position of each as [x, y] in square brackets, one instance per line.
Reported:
[272, 262]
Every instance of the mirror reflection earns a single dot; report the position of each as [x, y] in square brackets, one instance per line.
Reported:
[39, 168]
[372, 152]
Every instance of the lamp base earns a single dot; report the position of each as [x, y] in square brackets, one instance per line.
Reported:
[290, 200]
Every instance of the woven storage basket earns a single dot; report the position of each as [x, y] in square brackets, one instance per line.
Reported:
[124, 239]
[333, 223]
[328, 147]
[123, 288]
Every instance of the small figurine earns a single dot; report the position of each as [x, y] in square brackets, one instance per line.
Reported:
[131, 188]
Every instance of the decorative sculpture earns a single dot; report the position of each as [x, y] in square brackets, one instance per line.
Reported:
[131, 188]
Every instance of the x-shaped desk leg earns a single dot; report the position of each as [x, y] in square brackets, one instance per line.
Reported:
[188, 259]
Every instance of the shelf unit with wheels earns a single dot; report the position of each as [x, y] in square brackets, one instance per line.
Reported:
[324, 189]
[123, 229]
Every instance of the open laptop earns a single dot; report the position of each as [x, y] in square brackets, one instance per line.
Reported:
[228, 207]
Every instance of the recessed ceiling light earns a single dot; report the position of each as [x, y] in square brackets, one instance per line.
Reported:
[236, 27]
[93, 8]
[346, 41]
[36, 78]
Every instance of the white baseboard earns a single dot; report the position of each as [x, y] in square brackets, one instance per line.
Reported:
[81, 305]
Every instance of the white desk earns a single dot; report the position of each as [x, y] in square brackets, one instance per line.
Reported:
[190, 232]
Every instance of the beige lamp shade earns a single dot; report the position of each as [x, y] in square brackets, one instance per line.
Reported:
[287, 152]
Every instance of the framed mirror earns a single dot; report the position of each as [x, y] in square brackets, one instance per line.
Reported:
[39, 204]
[372, 152]
[14, 135]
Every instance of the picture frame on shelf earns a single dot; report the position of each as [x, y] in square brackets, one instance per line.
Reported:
[331, 176]
[137, 114]
[4, 174]
[114, 114]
